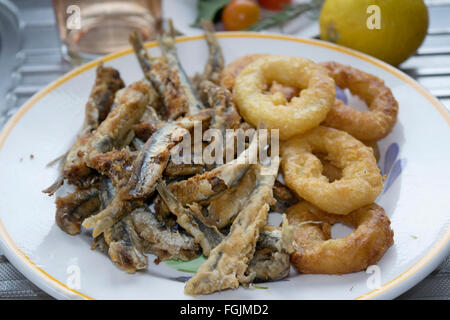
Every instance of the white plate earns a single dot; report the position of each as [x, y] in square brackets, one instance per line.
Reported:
[414, 158]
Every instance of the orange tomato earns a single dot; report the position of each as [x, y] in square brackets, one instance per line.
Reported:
[240, 14]
[275, 5]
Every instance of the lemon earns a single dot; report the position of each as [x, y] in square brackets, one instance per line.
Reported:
[390, 30]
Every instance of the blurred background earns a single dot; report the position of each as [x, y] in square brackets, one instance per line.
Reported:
[40, 40]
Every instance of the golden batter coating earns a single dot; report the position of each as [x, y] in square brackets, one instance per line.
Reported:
[228, 262]
[317, 252]
[361, 181]
[302, 112]
[374, 124]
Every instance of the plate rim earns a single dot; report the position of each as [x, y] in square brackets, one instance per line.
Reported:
[57, 289]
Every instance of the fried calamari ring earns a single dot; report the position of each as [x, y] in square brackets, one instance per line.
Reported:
[316, 252]
[361, 181]
[296, 116]
[376, 150]
[373, 124]
[232, 70]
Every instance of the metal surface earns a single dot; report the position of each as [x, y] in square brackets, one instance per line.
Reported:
[32, 59]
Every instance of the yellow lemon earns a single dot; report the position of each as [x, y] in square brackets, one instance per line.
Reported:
[390, 30]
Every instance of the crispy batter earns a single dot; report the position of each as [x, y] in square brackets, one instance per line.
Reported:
[271, 259]
[222, 209]
[152, 160]
[203, 187]
[375, 148]
[147, 169]
[161, 240]
[163, 79]
[215, 63]
[191, 219]
[169, 51]
[175, 102]
[361, 181]
[75, 207]
[294, 117]
[226, 266]
[126, 249]
[383, 108]
[107, 83]
[179, 170]
[232, 70]
[112, 132]
[101, 98]
[316, 252]
[116, 165]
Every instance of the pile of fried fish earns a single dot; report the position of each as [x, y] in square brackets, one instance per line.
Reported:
[137, 201]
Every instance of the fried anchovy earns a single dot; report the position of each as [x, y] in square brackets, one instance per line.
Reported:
[161, 240]
[145, 61]
[101, 98]
[167, 44]
[215, 62]
[75, 207]
[154, 155]
[116, 164]
[179, 170]
[225, 114]
[148, 167]
[113, 132]
[191, 219]
[227, 263]
[271, 258]
[126, 249]
[107, 83]
[223, 208]
[285, 197]
[163, 78]
[106, 195]
[204, 186]
[107, 191]
[121, 241]
[152, 160]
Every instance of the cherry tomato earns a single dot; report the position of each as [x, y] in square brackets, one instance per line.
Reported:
[275, 5]
[240, 14]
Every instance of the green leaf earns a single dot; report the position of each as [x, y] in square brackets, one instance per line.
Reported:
[208, 9]
[186, 266]
[260, 287]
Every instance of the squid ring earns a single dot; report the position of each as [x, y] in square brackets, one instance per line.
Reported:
[374, 124]
[317, 252]
[359, 185]
[293, 117]
[232, 70]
